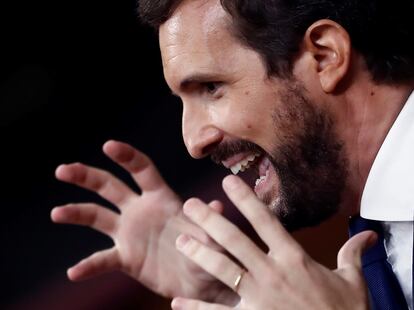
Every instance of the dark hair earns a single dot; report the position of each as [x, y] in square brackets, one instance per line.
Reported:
[380, 30]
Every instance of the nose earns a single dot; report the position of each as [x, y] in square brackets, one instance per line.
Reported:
[200, 135]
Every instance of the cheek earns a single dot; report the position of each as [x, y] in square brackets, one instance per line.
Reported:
[249, 125]
[248, 117]
[253, 126]
[256, 119]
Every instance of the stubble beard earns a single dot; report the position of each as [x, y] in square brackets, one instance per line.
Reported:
[309, 161]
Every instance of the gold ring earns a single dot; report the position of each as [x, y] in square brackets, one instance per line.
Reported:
[238, 279]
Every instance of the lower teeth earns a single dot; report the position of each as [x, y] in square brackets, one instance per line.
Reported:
[262, 178]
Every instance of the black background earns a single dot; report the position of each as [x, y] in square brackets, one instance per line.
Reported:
[72, 75]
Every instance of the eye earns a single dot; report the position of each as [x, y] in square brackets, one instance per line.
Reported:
[211, 87]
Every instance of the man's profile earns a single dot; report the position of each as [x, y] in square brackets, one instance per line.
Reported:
[308, 97]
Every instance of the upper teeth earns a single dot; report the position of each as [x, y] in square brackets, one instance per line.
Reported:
[243, 164]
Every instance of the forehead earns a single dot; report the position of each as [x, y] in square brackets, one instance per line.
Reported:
[197, 36]
[207, 15]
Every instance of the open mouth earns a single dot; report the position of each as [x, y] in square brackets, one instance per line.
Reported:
[258, 167]
[241, 162]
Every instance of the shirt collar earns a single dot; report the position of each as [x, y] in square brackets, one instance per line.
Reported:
[389, 191]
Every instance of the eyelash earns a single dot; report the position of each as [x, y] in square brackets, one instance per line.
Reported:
[210, 87]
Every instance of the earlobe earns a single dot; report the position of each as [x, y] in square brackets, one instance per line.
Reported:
[330, 45]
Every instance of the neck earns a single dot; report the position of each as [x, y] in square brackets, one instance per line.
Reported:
[369, 113]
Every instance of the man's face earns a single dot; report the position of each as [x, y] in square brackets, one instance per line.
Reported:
[245, 120]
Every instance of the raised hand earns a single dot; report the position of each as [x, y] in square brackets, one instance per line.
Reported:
[284, 278]
[144, 231]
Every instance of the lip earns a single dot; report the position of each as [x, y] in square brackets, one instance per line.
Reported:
[229, 162]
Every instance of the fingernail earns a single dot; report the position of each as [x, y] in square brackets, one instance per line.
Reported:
[182, 240]
[176, 304]
[231, 182]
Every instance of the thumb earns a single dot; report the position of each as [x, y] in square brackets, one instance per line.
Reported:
[352, 250]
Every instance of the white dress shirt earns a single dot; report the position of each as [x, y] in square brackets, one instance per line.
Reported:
[388, 196]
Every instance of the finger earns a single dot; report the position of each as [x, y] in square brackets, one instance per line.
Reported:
[140, 166]
[96, 180]
[98, 263]
[202, 236]
[87, 214]
[215, 263]
[267, 226]
[192, 304]
[351, 252]
[217, 206]
[226, 234]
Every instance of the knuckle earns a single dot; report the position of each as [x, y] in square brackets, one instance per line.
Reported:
[103, 186]
[220, 266]
[100, 180]
[80, 172]
[298, 259]
[231, 238]
[262, 218]
[138, 162]
[127, 200]
[127, 155]
[75, 214]
[85, 214]
[93, 218]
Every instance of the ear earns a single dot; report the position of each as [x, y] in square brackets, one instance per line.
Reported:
[330, 45]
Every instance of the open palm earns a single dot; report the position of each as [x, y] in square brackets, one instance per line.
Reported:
[145, 230]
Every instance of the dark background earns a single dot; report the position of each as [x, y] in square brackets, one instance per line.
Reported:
[74, 74]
